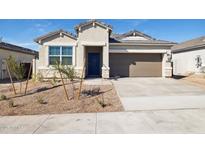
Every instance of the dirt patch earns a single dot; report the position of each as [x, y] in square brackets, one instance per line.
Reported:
[44, 98]
[198, 80]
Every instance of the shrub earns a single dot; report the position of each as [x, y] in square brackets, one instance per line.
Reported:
[3, 97]
[41, 100]
[11, 103]
[17, 69]
[91, 92]
[68, 71]
[34, 78]
[39, 77]
[102, 104]
[53, 81]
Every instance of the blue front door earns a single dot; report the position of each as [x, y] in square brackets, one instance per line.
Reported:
[93, 64]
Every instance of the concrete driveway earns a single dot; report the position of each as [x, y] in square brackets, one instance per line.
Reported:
[158, 93]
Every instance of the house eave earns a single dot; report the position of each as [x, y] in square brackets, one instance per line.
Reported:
[188, 48]
[34, 53]
[142, 44]
[39, 39]
[79, 27]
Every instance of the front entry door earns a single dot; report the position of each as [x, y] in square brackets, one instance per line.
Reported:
[93, 64]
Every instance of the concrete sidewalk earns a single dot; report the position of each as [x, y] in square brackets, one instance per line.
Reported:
[164, 121]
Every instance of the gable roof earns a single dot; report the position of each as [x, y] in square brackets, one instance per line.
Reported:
[117, 39]
[8, 46]
[191, 44]
[37, 40]
[135, 33]
[91, 22]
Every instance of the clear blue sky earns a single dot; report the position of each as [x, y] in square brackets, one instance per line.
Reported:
[22, 32]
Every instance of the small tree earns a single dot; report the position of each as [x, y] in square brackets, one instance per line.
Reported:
[58, 67]
[17, 69]
[69, 72]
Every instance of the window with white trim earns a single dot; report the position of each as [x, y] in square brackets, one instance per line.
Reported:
[62, 54]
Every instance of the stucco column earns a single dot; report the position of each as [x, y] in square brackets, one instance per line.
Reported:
[46, 56]
[34, 67]
[80, 58]
[166, 66]
[105, 62]
[74, 56]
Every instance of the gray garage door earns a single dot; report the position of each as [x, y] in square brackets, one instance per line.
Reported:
[135, 65]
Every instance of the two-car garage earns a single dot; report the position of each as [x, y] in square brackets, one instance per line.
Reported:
[135, 64]
[135, 54]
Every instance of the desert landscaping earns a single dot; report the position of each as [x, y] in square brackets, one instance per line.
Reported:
[46, 98]
[195, 79]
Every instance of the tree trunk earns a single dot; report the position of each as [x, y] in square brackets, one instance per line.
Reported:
[20, 86]
[81, 80]
[63, 85]
[73, 89]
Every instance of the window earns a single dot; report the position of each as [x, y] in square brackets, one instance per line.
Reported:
[66, 56]
[62, 54]
[54, 55]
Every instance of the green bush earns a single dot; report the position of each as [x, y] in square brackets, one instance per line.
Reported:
[3, 97]
[17, 69]
[53, 81]
[68, 71]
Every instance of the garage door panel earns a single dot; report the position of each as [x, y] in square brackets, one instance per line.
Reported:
[135, 65]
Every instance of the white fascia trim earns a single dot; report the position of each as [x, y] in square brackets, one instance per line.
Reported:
[59, 44]
[140, 51]
[85, 43]
[142, 44]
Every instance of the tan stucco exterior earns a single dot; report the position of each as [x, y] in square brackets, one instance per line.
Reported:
[19, 56]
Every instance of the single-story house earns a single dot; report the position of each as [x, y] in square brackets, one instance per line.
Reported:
[23, 55]
[189, 57]
[103, 53]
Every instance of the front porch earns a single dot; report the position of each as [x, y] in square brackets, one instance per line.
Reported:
[93, 61]
[96, 62]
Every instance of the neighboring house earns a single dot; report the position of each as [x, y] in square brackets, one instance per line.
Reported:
[104, 54]
[189, 57]
[23, 55]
